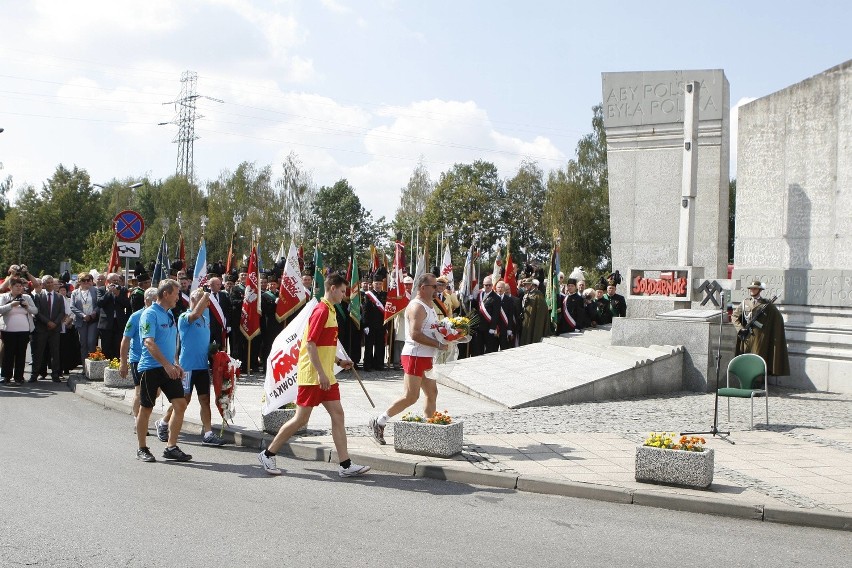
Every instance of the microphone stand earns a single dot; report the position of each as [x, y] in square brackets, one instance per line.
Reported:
[714, 430]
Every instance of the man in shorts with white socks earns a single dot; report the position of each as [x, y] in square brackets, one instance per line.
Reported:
[316, 382]
[158, 331]
[417, 355]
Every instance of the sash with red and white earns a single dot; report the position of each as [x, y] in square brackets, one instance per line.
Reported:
[372, 297]
[216, 310]
[572, 323]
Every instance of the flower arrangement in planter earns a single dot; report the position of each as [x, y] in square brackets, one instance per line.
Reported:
[685, 462]
[436, 436]
[95, 364]
[112, 378]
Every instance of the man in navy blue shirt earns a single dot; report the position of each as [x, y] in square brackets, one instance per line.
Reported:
[158, 332]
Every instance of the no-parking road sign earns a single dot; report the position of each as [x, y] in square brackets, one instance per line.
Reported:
[129, 225]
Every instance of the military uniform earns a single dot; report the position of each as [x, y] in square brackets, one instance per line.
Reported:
[373, 318]
[536, 318]
[767, 340]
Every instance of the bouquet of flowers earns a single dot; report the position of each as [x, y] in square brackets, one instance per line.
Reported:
[454, 330]
[226, 371]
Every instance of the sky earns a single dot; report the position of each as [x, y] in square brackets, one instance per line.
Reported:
[365, 90]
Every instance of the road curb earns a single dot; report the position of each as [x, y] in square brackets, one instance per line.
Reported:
[532, 484]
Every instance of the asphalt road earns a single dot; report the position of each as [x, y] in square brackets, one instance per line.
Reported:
[73, 494]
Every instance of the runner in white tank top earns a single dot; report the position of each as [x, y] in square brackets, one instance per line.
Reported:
[414, 348]
[417, 355]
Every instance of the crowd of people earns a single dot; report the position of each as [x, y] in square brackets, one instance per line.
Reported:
[164, 336]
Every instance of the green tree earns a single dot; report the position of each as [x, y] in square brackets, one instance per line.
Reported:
[470, 199]
[249, 191]
[413, 200]
[577, 204]
[334, 210]
[51, 225]
[297, 191]
[525, 198]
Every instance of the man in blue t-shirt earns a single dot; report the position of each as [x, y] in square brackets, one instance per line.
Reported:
[194, 331]
[131, 347]
[158, 332]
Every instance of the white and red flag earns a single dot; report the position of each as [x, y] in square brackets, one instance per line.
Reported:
[447, 267]
[291, 292]
[397, 298]
[250, 315]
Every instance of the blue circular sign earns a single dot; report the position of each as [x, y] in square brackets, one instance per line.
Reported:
[129, 225]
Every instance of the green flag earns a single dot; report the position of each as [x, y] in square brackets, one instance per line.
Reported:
[552, 288]
[354, 292]
[319, 279]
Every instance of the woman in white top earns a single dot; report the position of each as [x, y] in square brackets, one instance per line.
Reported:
[17, 310]
[417, 355]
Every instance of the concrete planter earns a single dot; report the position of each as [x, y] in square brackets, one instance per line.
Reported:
[95, 369]
[674, 467]
[114, 380]
[437, 440]
[273, 421]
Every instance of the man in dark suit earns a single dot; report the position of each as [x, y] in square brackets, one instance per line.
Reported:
[572, 310]
[487, 304]
[373, 324]
[114, 305]
[48, 323]
[508, 316]
[220, 310]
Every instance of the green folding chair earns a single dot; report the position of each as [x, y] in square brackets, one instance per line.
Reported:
[747, 367]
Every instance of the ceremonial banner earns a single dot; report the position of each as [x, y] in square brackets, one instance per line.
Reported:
[498, 265]
[291, 292]
[250, 314]
[447, 266]
[199, 276]
[161, 267]
[354, 292]
[282, 365]
[468, 283]
[552, 290]
[509, 277]
[114, 260]
[397, 298]
[419, 269]
[319, 278]
[182, 253]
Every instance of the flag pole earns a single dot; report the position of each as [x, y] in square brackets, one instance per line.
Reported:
[358, 377]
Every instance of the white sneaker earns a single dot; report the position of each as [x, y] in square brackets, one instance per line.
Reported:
[268, 463]
[353, 470]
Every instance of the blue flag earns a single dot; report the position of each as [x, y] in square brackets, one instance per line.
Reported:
[199, 277]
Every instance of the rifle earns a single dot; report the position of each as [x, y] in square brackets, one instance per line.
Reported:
[747, 330]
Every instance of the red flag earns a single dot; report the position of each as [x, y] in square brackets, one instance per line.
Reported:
[510, 272]
[291, 292]
[182, 253]
[250, 316]
[114, 260]
[301, 259]
[397, 298]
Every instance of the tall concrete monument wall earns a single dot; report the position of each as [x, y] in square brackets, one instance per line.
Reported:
[794, 219]
[644, 119]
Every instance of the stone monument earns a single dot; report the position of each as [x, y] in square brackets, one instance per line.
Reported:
[668, 157]
[794, 220]
[644, 116]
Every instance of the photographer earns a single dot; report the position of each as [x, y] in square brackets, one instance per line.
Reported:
[16, 271]
[17, 310]
[114, 305]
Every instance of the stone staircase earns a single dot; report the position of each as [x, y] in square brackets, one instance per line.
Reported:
[566, 369]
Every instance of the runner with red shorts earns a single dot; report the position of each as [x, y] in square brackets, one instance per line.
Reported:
[316, 382]
[417, 356]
